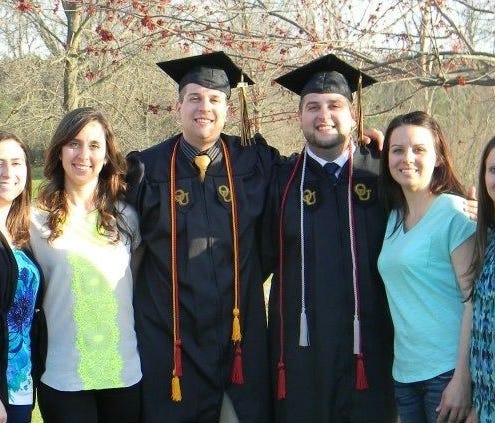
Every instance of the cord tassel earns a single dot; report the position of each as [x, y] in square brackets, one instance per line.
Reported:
[281, 391]
[237, 375]
[303, 330]
[357, 336]
[361, 379]
[176, 393]
[236, 326]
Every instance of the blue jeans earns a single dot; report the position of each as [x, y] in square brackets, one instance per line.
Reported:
[417, 401]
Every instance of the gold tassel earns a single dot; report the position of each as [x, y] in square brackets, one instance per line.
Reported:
[176, 393]
[245, 125]
[236, 326]
[360, 124]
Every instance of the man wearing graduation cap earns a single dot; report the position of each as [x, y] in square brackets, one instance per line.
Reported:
[199, 305]
[329, 323]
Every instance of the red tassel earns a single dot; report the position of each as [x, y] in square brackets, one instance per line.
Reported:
[237, 376]
[178, 358]
[361, 380]
[281, 381]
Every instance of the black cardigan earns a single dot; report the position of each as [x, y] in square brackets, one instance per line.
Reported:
[8, 285]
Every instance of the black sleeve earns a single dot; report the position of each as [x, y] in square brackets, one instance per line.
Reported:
[134, 179]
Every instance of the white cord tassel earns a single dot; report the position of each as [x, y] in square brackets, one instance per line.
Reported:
[303, 324]
[357, 335]
[303, 330]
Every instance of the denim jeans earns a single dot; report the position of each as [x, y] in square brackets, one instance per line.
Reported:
[417, 401]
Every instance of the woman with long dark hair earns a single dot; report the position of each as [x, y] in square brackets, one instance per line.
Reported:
[83, 237]
[424, 262]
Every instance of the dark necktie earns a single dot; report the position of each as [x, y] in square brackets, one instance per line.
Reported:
[202, 162]
[331, 168]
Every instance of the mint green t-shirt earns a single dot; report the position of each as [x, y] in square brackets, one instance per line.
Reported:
[425, 300]
[88, 304]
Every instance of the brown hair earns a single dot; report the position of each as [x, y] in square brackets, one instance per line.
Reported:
[443, 179]
[111, 181]
[18, 219]
[486, 212]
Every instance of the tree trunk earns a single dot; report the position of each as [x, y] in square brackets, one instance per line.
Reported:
[73, 11]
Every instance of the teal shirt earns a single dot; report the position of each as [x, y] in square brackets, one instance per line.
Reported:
[425, 300]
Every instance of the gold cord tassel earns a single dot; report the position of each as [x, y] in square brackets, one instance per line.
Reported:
[245, 125]
[236, 326]
[360, 124]
[176, 393]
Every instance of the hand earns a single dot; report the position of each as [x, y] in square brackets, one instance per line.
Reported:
[471, 204]
[3, 413]
[375, 135]
[455, 404]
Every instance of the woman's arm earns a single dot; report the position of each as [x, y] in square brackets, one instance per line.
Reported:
[455, 404]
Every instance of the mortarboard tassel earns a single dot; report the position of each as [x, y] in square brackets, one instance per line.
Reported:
[245, 125]
[360, 124]
[237, 375]
[281, 391]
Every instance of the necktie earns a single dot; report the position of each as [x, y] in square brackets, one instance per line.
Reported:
[202, 161]
[331, 168]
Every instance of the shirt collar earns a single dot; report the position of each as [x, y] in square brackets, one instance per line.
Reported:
[191, 151]
[341, 160]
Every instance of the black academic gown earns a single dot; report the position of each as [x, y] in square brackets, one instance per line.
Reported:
[320, 378]
[205, 269]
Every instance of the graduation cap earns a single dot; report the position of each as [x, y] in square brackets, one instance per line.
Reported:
[215, 71]
[328, 74]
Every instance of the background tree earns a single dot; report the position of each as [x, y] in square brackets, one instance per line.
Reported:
[435, 55]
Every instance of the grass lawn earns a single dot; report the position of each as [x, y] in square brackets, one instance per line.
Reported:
[37, 175]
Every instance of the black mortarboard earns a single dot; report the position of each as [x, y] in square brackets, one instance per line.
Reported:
[328, 74]
[213, 70]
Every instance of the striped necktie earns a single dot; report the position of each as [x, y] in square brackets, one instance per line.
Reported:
[202, 162]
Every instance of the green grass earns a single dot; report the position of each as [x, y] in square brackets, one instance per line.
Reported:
[37, 175]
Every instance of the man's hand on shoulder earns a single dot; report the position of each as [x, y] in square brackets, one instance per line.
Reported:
[373, 135]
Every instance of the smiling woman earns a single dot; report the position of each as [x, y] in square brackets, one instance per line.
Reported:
[424, 264]
[83, 235]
